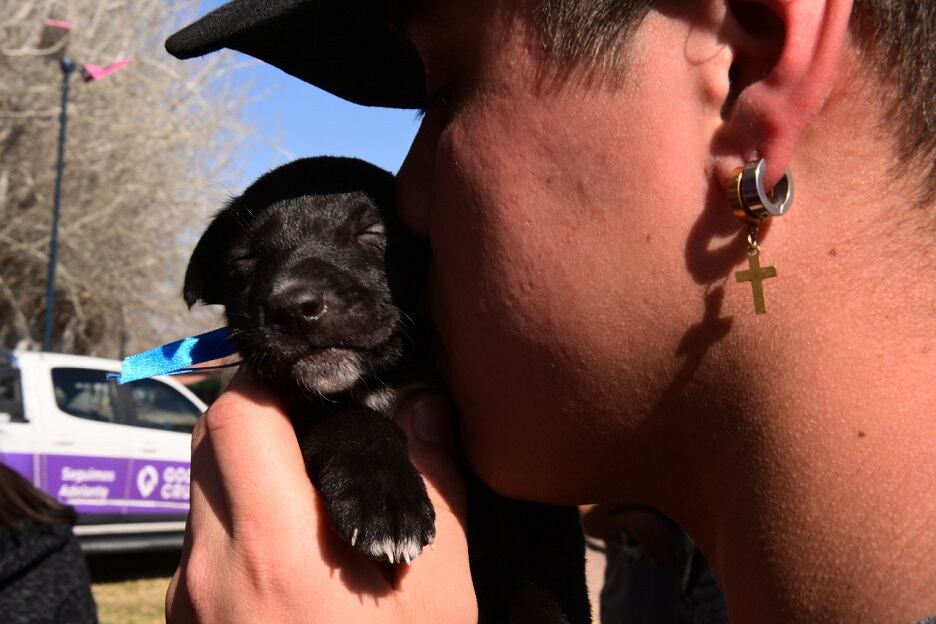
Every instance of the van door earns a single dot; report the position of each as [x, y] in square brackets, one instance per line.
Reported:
[162, 416]
[17, 434]
[86, 444]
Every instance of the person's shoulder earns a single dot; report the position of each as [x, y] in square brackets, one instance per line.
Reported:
[28, 542]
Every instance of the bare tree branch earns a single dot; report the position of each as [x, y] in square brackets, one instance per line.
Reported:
[150, 153]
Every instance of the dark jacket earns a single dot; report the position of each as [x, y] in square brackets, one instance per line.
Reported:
[44, 577]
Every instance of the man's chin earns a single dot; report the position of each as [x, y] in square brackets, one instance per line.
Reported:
[329, 371]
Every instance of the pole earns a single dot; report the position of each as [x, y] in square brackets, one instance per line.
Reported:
[68, 67]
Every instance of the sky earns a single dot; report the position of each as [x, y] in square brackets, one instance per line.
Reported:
[302, 120]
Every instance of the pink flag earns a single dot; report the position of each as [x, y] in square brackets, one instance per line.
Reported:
[54, 23]
[96, 72]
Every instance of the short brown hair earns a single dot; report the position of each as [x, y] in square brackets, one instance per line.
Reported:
[899, 36]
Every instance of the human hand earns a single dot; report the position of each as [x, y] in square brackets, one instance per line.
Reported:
[259, 548]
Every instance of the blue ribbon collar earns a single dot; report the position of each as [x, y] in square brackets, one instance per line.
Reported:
[177, 358]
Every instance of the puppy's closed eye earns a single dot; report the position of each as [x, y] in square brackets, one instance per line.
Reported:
[374, 235]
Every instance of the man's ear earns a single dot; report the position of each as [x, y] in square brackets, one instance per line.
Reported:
[205, 276]
[784, 55]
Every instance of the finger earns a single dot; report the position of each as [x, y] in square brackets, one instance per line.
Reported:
[205, 527]
[178, 603]
[252, 504]
[427, 420]
[254, 514]
[257, 458]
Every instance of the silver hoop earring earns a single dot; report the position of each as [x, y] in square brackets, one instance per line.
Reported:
[750, 201]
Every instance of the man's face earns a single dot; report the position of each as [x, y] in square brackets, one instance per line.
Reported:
[557, 212]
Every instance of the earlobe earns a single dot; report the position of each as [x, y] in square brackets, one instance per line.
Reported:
[785, 55]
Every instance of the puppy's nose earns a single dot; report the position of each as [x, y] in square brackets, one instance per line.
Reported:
[299, 307]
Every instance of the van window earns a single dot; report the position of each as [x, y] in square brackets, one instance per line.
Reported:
[85, 393]
[159, 406]
[11, 396]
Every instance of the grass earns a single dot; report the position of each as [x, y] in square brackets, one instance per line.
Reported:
[131, 588]
[131, 602]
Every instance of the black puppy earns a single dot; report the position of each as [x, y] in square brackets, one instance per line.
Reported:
[320, 287]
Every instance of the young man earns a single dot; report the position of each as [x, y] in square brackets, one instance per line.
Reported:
[570, 174]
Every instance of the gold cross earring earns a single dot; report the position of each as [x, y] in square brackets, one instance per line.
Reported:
[751, 203]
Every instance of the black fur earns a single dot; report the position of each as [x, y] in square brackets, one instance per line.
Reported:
[320, 287]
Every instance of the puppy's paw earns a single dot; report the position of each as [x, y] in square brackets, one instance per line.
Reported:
[385, 514]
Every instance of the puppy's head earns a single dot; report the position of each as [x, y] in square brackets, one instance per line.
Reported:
[317, 278]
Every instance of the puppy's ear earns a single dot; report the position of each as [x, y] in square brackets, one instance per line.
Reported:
[206, 275]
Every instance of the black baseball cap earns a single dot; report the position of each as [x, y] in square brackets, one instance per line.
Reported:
[346, 47]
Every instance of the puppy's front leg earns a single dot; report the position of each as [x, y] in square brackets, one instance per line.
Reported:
[358, 462]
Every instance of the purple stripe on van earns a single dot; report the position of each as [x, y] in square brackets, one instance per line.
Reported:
[20, 462]
[158, 487]
[110, 485]
[90, 484]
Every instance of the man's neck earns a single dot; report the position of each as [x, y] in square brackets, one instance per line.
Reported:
[817, 497]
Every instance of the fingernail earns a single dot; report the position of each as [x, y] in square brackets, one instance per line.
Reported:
[432, 419]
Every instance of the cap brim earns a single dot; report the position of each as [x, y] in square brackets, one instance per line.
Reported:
[346, 47]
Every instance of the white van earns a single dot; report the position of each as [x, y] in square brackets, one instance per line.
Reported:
[119, 454]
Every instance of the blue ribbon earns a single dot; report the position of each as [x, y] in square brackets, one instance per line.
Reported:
[176, 358]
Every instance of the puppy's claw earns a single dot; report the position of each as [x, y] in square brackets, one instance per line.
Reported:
[388, 550]
[354, 537]
[406, 557]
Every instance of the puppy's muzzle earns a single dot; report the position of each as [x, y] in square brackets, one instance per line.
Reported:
[297, 306]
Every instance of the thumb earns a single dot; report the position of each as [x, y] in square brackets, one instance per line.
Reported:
[427, 419]
[439, 581]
